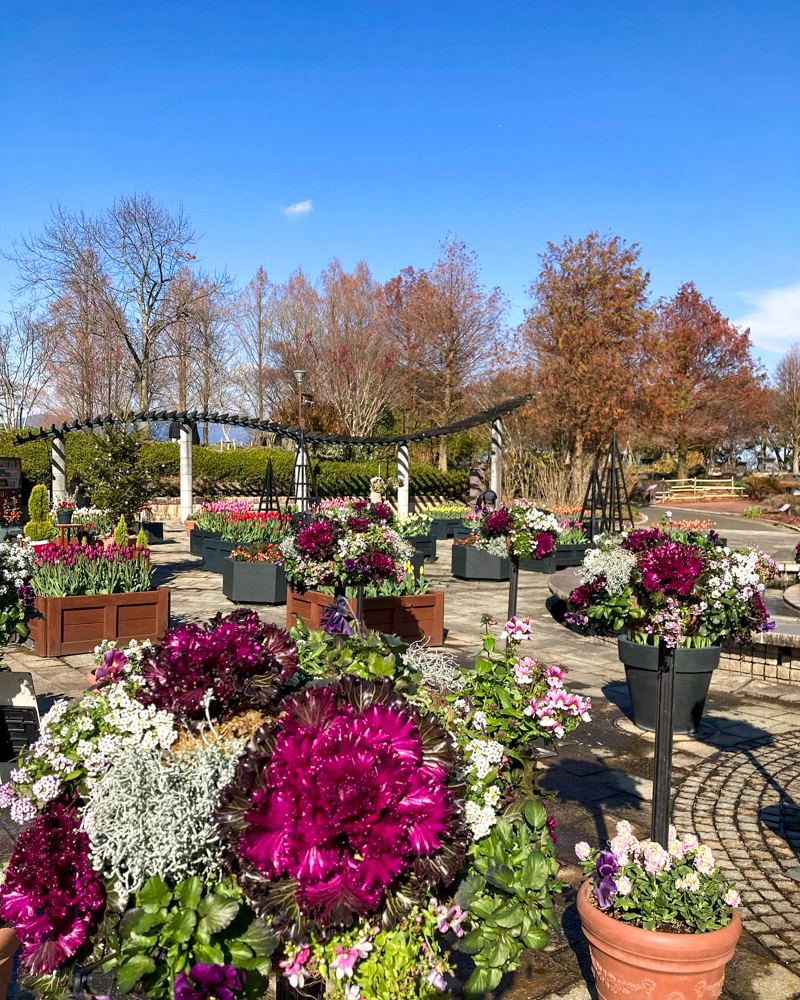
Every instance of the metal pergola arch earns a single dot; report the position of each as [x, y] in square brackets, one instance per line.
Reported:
[56, 433]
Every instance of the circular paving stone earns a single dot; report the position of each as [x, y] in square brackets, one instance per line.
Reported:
[744, 803]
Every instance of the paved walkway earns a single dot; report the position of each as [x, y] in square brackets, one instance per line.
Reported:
[737, 786]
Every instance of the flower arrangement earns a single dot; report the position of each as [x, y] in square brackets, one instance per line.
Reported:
[16, 594]
[302, 796]
[255, 526]
[571, 532]
[411, 583]
[448, 511]
[670, 583]
[74, 569]
[65, 504]
[521, 531]
[10, 514]
[413, 525]
[350, 545]
[678, 889]
[267, 552]
[212, 516]
[94, 519]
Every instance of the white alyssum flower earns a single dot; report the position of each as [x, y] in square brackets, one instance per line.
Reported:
[484, 756]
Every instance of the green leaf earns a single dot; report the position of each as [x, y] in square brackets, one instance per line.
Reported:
[497, 955]
[483, 908]
[508, 916]
[211, 953]
[180, 925]
[535, 815]
[501, 876]
[189, 892]
[154, 894]
[535, 872]
[239, 952]
[260, 938]
[468, 890]
[129, 974]
[536, 938]
[481, 981]
[471, 943]
[216, 912]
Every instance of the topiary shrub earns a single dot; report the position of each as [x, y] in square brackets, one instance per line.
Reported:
[40, 528]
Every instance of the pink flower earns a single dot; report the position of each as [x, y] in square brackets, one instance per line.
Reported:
[582, 850]
[517, 629]
[555, 676]
[732, 898]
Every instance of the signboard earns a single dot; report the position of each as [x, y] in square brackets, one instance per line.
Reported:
[10, 473]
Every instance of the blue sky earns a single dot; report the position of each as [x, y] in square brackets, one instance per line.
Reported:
[673, 124]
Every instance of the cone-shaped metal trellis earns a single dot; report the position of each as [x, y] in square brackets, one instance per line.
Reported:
[269, 495]
[304, 483]
[606, 504]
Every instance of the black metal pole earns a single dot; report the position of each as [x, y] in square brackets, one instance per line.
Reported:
[662, 770]
[513, 586]
[360, 603]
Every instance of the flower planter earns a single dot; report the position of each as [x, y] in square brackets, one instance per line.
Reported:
[463, 531]
[411, 617]
[445, 527]
[253, 582]
[64, 516]
[546, 565]
[9, 533]
[570, 555]
[189, 527]
[77, 624]
[214, 553]
[693, 669]
[469, 563]
[632, 962]
[426, 544]
[196, 539]
[153, 531]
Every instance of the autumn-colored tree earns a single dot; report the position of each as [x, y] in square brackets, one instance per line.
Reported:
[701, 370]
[414, 380]
[585, 334]
[446, 325]
[787, 385]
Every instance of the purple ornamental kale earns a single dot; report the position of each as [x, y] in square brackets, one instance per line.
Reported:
[643, 538]
[672, 568]
[497, 523]
[584, 596]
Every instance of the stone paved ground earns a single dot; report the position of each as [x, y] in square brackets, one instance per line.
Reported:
[737, 786]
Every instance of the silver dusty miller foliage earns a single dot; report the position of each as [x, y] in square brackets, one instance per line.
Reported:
[155, 816]
[438, 669]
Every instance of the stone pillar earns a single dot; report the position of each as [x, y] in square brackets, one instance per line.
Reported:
[301, 476]
[403, 476]
[187, 485]
[58, 467]
[496, 476]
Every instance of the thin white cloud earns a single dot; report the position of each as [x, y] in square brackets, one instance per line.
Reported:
[775, 317]
[299, 208]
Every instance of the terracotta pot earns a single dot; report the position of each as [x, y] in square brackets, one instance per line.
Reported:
[9, 942]
[189, 526]
[91, 680]
[650, 965]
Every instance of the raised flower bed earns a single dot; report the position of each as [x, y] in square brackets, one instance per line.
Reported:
[411, 617]
[254, 575]
[87, 593]
[447, 519]
[215, 552]
[416, 530]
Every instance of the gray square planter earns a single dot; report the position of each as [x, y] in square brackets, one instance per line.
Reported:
[444, 527]
[546, 565]
[196, 538]
[570, 555]
[426, 544]
[474, 564]
[153, 531]
[214, 552]
[253, 582]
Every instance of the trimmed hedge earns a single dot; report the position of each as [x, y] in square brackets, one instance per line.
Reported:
[239, 472]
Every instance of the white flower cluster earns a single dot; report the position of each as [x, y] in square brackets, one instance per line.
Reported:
[537, 520]
[15, 566]
[136, 725]
[735, 571]
[480, 818]
[496, 546]
[615, 563]
[135, 653]
[485, 755]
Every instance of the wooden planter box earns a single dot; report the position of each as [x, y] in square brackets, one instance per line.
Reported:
[215, 552]
[570, 555]
[411, 617]
[445, 527]
[153, 531]
[253, 582]
[475, 564]
[426, 544]
[196, 538]
[78, 624]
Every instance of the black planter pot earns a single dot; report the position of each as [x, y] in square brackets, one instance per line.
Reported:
[214, 553]
[546, 565]
[153, 531]
[462, 530]
[64, 516]
[445, 527]
[570, 555]
[426, 544]
[253, 582]
[197, 537]
[693, 669]
[475, 564]
[6, 533]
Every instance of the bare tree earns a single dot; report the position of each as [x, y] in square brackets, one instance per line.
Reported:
[787, 383]
[130, 254]
[254, 321]
[210, 323]
[25, 344]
